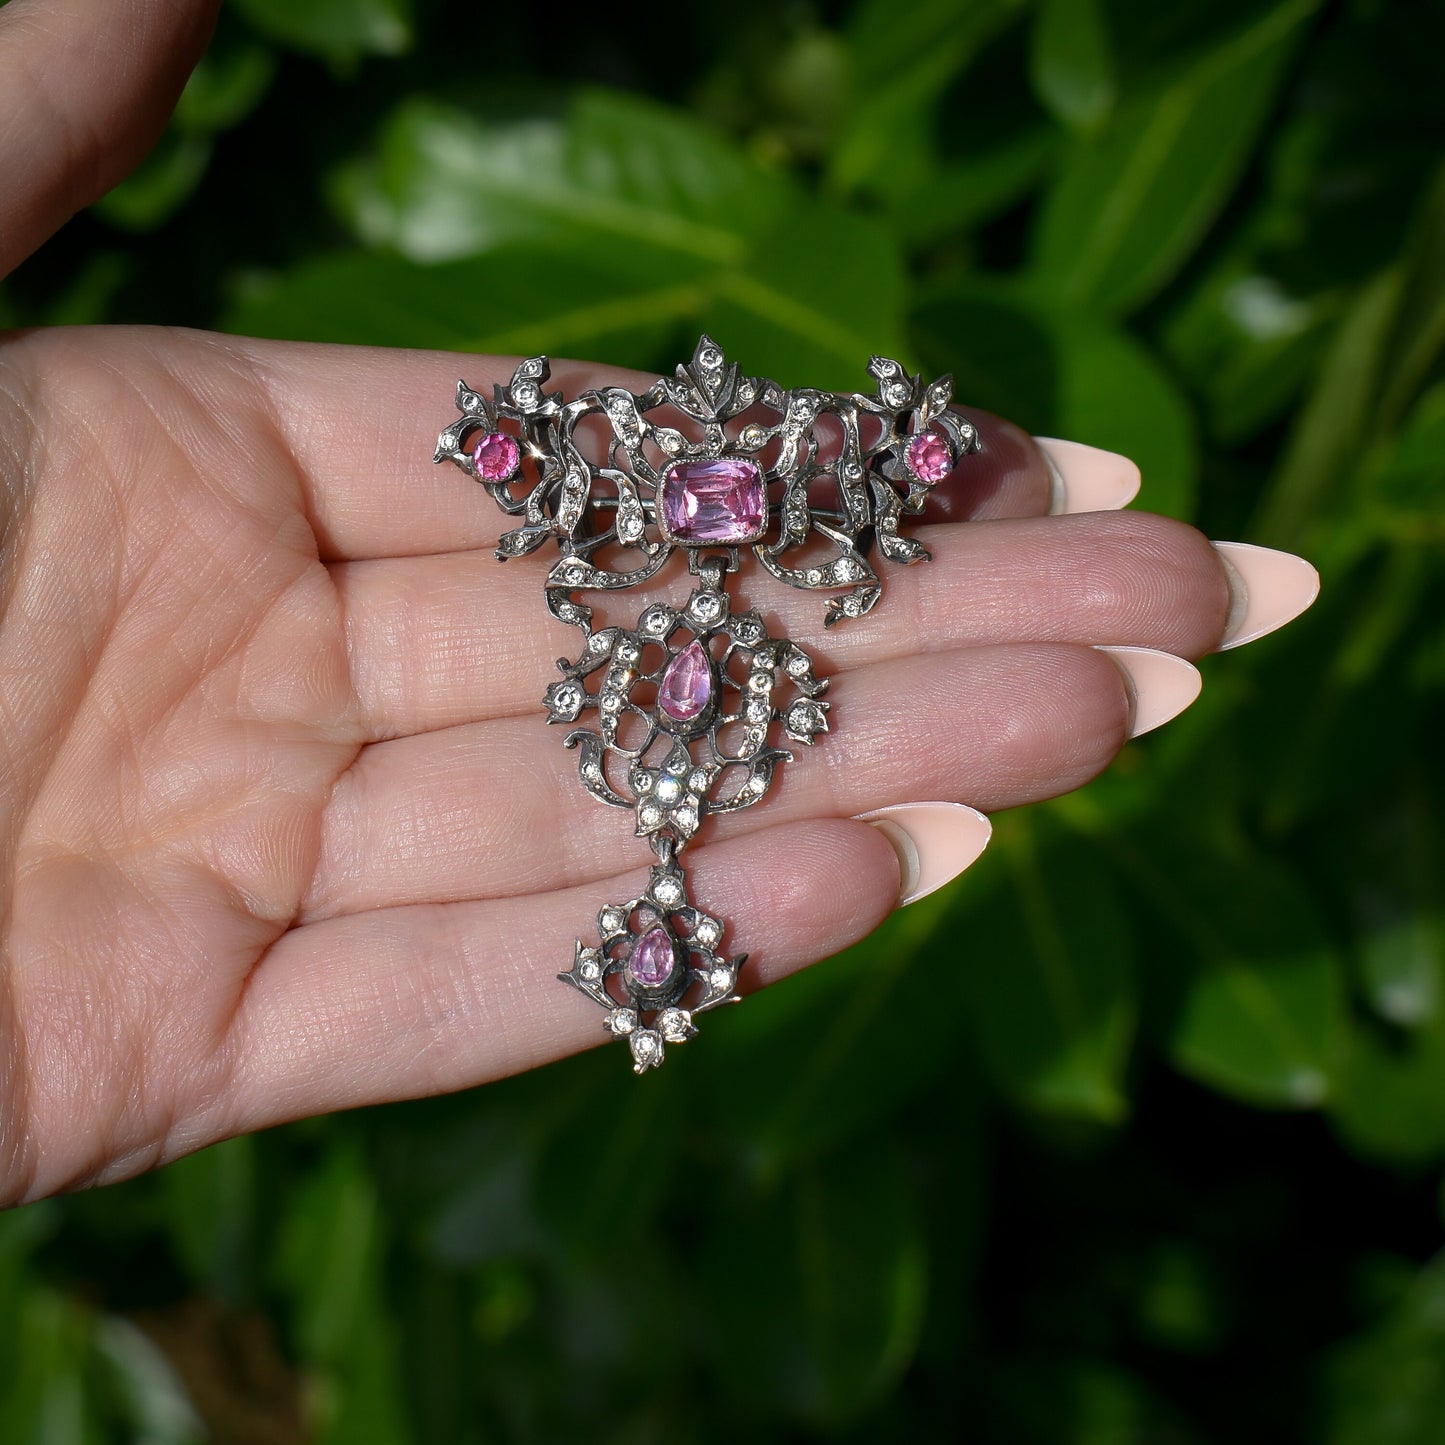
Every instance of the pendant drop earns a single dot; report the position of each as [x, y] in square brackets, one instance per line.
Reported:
[656, 965]
[688, 702]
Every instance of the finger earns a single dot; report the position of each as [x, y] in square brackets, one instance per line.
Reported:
[1086, 479]
[496, 808]
[85, 90]
[364, 424]
[437, 641]
[1008, 476]
[422, 1000]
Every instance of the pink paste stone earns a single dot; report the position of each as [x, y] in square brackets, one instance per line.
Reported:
[721, 501]
[929, 458]
[686, 687]
[496, 456]
[652, 959]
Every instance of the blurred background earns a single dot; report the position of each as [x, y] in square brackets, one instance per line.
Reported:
[1134, 1135]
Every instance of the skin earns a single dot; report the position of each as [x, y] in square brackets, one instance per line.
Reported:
[281, 830]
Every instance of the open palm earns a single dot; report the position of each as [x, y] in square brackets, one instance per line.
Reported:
[283, 830]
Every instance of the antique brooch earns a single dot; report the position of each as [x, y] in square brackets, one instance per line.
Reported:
[679, 716]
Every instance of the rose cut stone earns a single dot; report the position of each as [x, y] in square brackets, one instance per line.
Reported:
[686, 686]
[929, 458]
[720, 501]
[496, 456]
[652, 959]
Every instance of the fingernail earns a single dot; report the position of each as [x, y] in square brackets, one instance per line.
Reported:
[1087, 479]
[935, 842]
[1160, 685]
[1267, 589]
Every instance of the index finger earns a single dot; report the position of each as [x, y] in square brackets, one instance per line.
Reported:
[363, 423]
[85, 90]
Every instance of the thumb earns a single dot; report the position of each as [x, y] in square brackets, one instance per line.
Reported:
[86, 87]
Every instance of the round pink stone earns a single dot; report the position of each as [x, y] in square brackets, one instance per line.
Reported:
[686, 686]
[929, 458]
[496, 457]
[652, 959]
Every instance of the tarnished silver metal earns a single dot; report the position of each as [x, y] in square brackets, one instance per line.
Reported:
[671, 770]
[684, 706]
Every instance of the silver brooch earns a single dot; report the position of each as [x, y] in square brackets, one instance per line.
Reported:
[685, 713]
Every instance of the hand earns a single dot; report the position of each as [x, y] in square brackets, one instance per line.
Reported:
[284, 831]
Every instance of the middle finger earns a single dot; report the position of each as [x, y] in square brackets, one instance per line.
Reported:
[442, 640]
[491, 809]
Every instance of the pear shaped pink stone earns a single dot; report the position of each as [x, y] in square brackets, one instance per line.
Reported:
[652, 959]
[686, 687]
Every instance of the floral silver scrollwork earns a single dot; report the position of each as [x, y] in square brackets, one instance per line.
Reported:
[681, 709]
[840, 470]
[656, 967]
[685, 714]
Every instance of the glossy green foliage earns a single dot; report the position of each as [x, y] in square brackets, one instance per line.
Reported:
[1133, 1135]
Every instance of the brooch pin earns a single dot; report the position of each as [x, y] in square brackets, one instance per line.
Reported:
[683, 714]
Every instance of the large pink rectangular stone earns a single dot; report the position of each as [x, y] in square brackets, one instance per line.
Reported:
[719, 501]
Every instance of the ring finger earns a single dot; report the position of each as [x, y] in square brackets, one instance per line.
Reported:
[493, 809]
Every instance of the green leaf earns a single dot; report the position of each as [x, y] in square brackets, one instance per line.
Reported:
[959, 196]
[1330, 430]
[1386, 1387]
[822, 1058]
[1047, 1400]
[1048, 973]
[1114, 394]
[1130, 207]
[1388, 1105]
[151, 1396]
[903, 59]
[209, 1200]
[641, 218]
[1379, 360]
[511, 302]
[338, 30]
[1408, 475]
[46, 1389]
[815, 1294]
[1247, 347]
[1071, 62]
[598, 1189]
[814, 300]
[1264, 1033]
[618, 169]
[329, 1265]
[160, 185]
[1261, 1013]
[1313, 710]
[1063, 375]
[1393, 895]
[227, 84]
[332, 1237]
[1418, 335]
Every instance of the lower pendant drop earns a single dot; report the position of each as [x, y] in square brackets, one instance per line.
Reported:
[655, 967]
